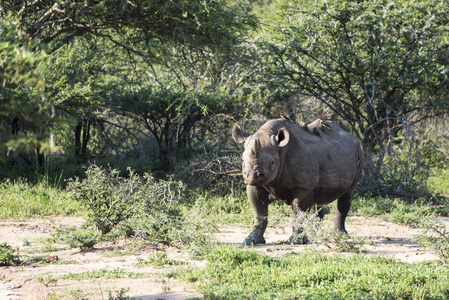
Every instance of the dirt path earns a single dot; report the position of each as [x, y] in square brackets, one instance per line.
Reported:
[37, 281]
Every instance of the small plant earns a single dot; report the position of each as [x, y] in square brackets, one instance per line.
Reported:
[166, 288]
[315, 232]
[435, 236]
[84, 238]
[48, 280]
[159, 259]
[120, 295]
[8, 256]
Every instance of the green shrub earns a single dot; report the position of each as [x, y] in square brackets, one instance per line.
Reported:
[398, 173]
[112, 199]
[434, 159]
[138, 206]
[8, 256]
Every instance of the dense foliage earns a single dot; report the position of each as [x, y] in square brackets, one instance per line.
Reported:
[380, 66]
[21, 71]
[156, 85]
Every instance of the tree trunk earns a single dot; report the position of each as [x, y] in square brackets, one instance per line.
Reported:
[86, 136]
[82, 137]
[78, 130]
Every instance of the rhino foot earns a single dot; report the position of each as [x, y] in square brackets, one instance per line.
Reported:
[254, 238]
[300, 239]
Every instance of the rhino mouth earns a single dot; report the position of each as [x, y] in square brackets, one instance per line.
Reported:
[254, 182]
[257, 178]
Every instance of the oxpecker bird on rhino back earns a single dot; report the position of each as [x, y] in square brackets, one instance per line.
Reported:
[303, 170]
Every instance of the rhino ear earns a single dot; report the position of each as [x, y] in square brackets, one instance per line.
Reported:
[238, 134]
[282, 137]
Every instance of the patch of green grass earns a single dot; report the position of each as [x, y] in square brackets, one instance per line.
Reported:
[438, 182]
[232, 208]
[21, 200]
[233, 273]
[400, 211]
[76, 293]
[371, 206]
[409, 214]
[104, 273]
[235, 209]
[51, 248]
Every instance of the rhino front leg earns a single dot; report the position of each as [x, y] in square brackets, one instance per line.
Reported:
[258, 199]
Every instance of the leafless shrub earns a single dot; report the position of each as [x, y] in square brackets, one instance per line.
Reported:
[212, 172]
[398, 168]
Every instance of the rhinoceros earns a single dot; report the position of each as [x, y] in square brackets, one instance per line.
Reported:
[305, 170]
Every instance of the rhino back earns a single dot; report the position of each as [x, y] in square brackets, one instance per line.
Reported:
[329, 162]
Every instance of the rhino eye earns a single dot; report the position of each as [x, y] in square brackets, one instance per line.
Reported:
[272, 164]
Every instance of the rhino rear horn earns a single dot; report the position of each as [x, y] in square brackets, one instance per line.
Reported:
[255, 149]
[238, 134]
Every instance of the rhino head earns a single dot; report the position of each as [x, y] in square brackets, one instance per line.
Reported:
[260, 160]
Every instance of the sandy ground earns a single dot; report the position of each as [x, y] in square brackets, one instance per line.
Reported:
[34, 281]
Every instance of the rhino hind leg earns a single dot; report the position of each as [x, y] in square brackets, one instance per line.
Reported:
[342, 210]
[298, 238]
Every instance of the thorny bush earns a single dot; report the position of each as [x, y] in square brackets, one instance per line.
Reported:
[217, 174]
[135, 205]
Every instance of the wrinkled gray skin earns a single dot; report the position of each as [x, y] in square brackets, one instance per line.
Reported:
[283, 161]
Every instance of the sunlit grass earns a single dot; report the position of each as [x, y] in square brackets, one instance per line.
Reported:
[104, 273]
[21, 200]
[235, 273]
[438, 182]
